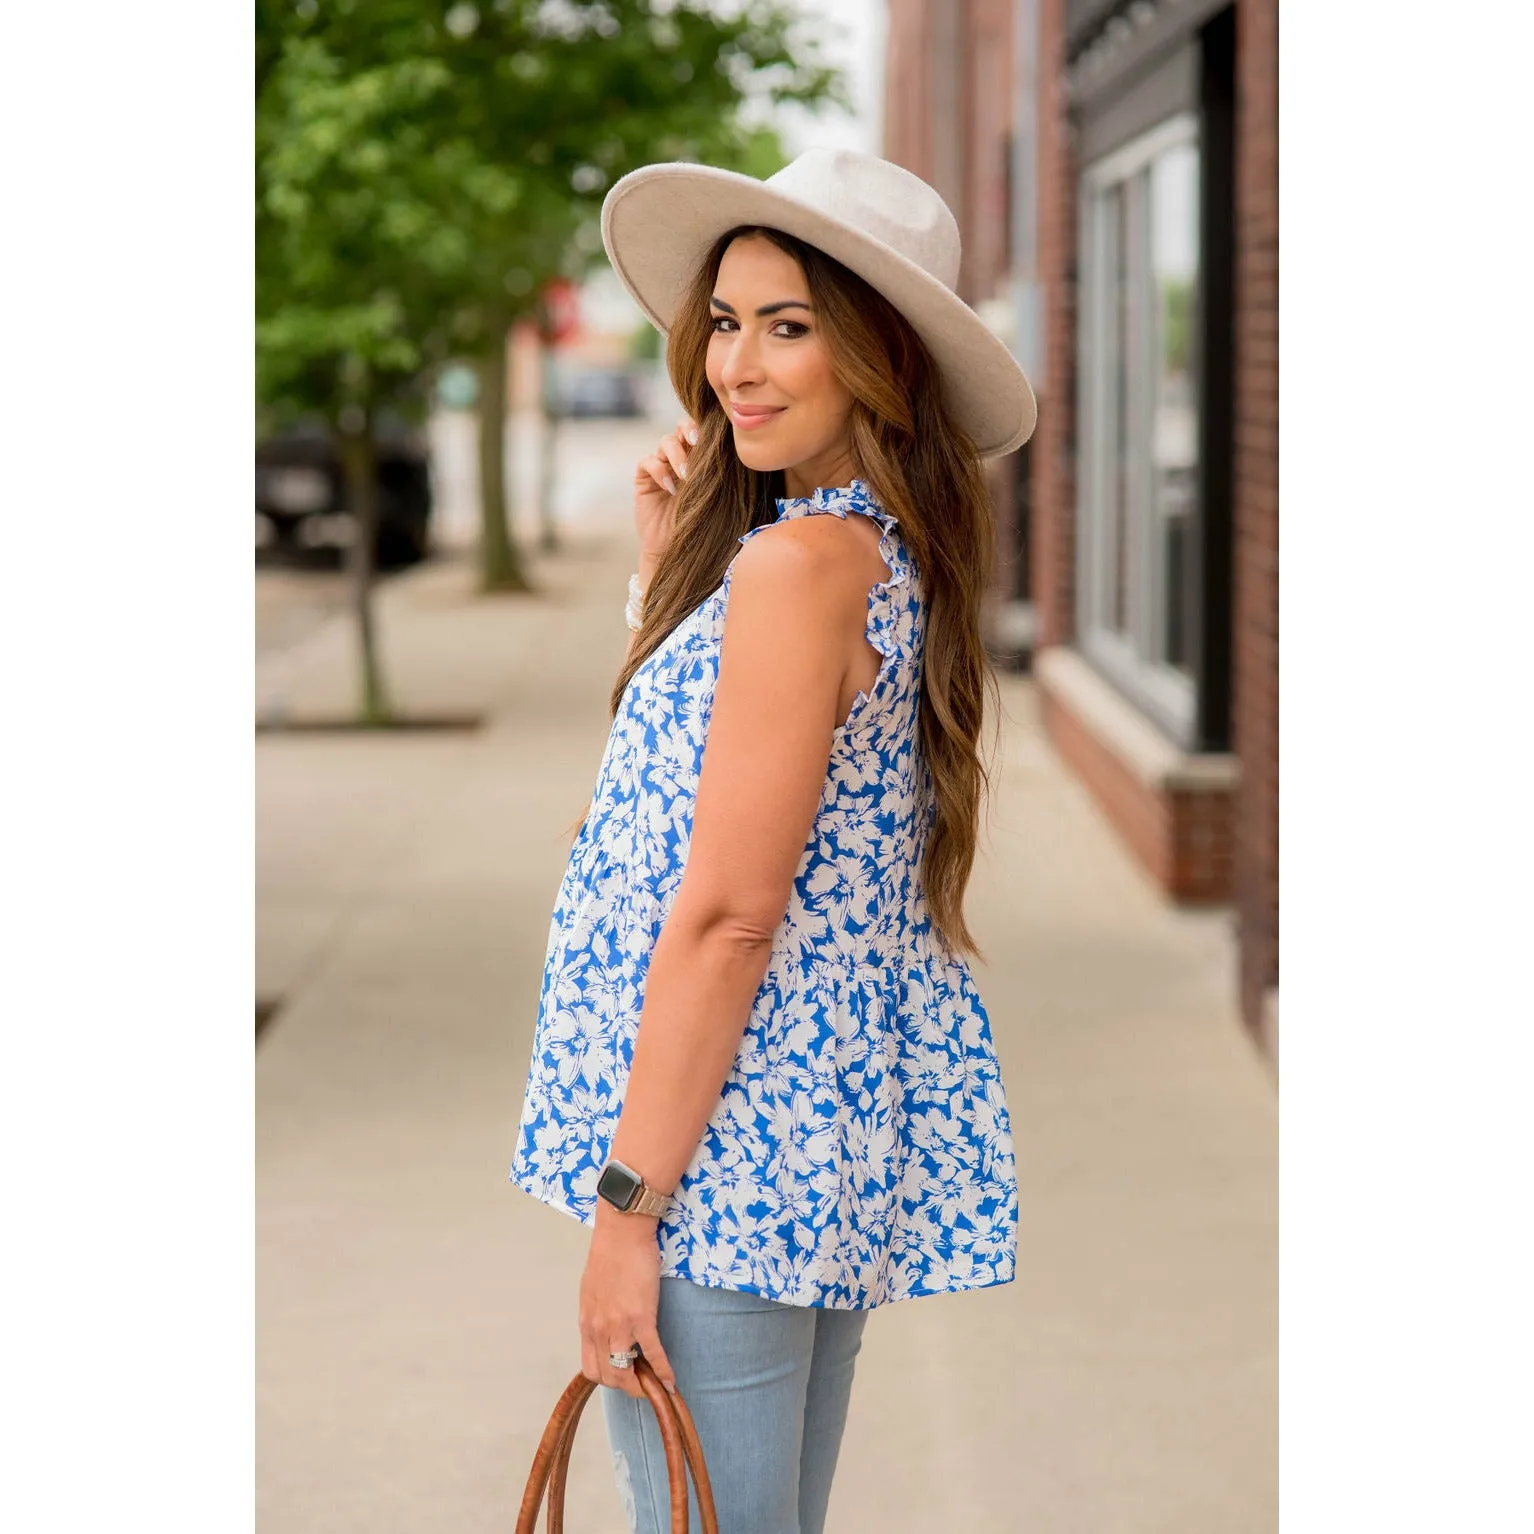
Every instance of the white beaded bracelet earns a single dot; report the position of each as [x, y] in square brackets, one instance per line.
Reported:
[633, 612]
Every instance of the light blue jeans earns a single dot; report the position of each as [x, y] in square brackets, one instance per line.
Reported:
[767, 1385]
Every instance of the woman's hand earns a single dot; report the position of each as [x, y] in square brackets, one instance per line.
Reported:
[620, 1295]
[655, 487]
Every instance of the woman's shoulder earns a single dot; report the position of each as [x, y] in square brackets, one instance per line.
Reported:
[824, 561]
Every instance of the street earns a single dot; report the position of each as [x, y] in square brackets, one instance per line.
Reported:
[416, 1314]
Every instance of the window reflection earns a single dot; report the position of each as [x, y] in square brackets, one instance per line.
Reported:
[1173, 179]
[1121, 350]
[1139, 359]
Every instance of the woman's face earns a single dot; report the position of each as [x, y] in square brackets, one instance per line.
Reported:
[769, 363]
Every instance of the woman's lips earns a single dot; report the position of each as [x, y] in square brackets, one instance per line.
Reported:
[748, 417]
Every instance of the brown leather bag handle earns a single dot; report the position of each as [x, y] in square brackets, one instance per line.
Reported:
[678, 1436]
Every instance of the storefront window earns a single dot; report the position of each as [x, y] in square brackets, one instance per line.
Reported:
[1140, 418]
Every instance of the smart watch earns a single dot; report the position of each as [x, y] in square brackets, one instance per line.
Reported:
[628, 1192]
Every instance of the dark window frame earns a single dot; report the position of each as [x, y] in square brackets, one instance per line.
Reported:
[1194, 79]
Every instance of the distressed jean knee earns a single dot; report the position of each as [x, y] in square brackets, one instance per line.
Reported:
[625, 1489]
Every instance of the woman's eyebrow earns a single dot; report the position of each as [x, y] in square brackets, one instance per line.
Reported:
[766, 309]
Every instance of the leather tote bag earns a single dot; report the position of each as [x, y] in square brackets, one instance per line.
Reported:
[551, 1464]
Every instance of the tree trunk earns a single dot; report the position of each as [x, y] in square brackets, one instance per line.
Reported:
[358, 462]
[500, 565]
[549, 535]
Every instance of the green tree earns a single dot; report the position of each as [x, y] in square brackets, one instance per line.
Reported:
[355, 272]
[1177, 318]
[578, 95]
[423, 170]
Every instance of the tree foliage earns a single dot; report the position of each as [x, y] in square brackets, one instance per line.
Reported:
[423, 168]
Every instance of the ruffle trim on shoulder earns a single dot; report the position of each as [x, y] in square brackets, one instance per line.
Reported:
[857, 496]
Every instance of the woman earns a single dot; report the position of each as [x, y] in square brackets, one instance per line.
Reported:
[762, 1073]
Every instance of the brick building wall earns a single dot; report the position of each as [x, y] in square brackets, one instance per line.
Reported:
[1210, 833]
[947, 118]
[1203, 822]
[907, 131]
[986, 269]
[1054, 444]
[987, 88]
[947, 114]
[1205, 825]
[1255, 618]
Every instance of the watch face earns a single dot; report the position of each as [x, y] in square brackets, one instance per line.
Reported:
[618, 1185]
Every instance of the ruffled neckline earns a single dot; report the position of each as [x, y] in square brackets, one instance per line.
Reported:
[856, 496]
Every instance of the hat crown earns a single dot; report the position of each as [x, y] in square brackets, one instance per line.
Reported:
[881, 200]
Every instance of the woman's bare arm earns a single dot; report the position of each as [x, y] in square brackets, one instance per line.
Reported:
[794, 608]
[794, 601]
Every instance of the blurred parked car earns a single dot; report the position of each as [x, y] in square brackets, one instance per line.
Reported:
[601, 392]
[301, 494]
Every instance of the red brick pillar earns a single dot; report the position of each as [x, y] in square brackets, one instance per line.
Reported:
[1054, 483]
[907, 130]
[1255, 617]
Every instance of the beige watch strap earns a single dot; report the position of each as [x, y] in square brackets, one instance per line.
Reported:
[650, 1202]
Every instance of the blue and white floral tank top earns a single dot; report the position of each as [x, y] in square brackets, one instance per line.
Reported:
[861, 1151]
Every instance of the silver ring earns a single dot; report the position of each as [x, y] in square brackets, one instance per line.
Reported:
[623, 1360]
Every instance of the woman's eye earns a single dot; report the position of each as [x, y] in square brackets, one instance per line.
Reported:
[784, 330]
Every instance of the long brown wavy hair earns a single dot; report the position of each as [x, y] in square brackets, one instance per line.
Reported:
[922, 468]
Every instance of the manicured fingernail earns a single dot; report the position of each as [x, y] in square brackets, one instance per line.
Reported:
[683, 471]
[692, 433]
[669, 483]
[671, 1386]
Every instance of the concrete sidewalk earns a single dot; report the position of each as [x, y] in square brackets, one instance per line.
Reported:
[416, 1315]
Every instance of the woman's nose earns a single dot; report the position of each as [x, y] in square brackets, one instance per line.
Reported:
[742, 362]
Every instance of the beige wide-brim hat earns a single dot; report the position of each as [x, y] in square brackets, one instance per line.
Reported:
[877, 219]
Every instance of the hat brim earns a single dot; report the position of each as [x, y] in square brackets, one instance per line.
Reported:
[660, 220]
